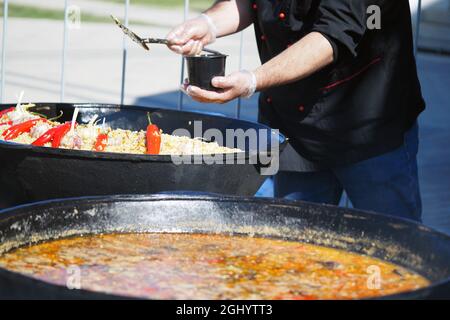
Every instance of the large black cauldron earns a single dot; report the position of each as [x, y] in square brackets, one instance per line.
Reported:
[405, 243]
[30, 173]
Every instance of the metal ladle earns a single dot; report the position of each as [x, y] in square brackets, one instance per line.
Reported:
[144, 41]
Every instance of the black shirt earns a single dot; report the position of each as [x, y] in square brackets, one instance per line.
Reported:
[358, 107]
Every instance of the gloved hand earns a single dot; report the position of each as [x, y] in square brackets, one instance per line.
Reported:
[190, 37]
[238, 84]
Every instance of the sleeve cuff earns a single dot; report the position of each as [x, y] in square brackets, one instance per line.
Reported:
[333, 42]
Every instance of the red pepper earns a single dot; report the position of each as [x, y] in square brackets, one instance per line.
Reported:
[6, 111]
[153, 138]
[102, 141]
[6, 123]
[53, 135]
[60, 134]
[46, 137]
[16, 130]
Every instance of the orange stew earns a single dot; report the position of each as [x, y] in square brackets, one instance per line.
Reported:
[195, 266]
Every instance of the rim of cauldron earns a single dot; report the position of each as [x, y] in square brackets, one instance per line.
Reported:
[88, 294]
[207, 56]
[246, 155]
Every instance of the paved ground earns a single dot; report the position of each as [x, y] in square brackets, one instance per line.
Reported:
[434, 157]
[435, 26]
[94, 71]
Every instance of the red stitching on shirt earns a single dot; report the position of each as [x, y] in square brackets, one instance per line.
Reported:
[337, 83]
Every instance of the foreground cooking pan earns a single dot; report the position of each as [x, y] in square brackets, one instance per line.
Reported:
[405, 243]
[29, 173]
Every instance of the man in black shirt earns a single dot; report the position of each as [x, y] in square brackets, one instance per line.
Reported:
[339, 78]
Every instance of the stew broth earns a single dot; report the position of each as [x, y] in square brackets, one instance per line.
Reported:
[198, 266]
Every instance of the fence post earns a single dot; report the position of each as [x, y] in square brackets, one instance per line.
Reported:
[4, 35]
[180, 94]
[63, 60]
[418, 18]
[241, 53]
[124, 56]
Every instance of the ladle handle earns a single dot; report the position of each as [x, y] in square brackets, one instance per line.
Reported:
[155, 40]
[212, 51]
[164, 41]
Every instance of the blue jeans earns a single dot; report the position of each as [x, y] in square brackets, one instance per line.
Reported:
[387, 184]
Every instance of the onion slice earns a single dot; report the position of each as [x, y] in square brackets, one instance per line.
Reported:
[19, 101]
[74, 119]
[92, 121]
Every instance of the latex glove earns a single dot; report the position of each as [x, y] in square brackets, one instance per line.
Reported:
[238, 84]
[190, 37]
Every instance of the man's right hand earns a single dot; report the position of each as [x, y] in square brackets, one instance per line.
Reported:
[190, 37]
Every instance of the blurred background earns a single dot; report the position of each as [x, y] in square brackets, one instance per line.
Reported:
[94, 54]
[81, 59]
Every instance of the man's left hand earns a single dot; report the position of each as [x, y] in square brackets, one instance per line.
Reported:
[238, 84]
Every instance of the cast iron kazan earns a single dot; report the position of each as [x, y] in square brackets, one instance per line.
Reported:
[30, 173]
[405, 243]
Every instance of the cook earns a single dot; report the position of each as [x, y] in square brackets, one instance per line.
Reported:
[339, 78]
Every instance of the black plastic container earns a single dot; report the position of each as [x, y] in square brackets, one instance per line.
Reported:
[202, 69]
[398, 241]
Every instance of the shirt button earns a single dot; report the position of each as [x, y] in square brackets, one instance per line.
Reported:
[282, 16]
[263, 37]
[254, 6]
[269, 100]
[301, 108]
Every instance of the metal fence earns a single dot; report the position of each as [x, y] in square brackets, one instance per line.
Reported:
[125, 51]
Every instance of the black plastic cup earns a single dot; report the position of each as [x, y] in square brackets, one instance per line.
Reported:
[202, 69]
